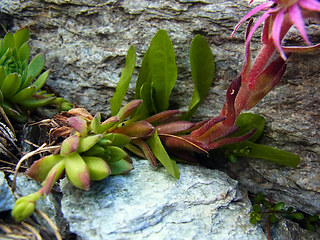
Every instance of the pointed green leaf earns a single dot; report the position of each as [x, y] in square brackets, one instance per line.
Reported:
[41, 79]
[143, 74]
[124, 81]
[117, 139]
[24, 52]
[120, 167]
[163, 69]
[85, 143]
[12, 113]
[21, 36]
[3, 75]
[253, 150]
[202, 71]
[161, 154]
[10, 85]
[36, 65]
[248, 121]
[27, 79]
[35, 103]
[8, 41]
[23, 94]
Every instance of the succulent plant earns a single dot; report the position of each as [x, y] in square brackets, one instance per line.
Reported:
[89, 153]
[20, 80]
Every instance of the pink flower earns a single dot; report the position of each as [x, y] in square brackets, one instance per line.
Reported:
[283, 14]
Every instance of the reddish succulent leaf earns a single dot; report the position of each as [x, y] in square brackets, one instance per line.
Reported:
[77, 171]
[183, 143]
[162, 116]
[82, 112]
[128, 109]
[225, 141]
[69, 145]
[40, 168]
[136, 129]
[79, 124]
[55, 173]
[301, 49]
[209, 124]
[228, 108]
[136, 150]
[266, 81]
[174, 127]
[146, 150]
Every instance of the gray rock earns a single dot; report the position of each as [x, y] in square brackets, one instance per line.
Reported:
[148, 203]
[6, 196]
[85, 43]
[288, 230]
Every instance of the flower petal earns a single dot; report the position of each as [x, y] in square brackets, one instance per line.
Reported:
[276, 29]
[253, 11]
[312, 5]
[296, 18]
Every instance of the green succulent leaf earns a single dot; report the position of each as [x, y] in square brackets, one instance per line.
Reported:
[8, 41]
[98, 168]
[24, 52]
[279, 206]
[253, 150]
[120, 167]
[202, 71]
[77, 171]
[35, 103]
[24, 94]
[36, 65]
[3, 75]
[21, 36]
[11, 112]
[41, 80]
[163, 69]
[115, 154]
[97, 151]
[124, 81]
[298, 216]
[69, 145]
[40, 168]
[85, 143]
[161, 154]
[54, 174]
[10, 85]
[143, 75]
[117, 139]
[248, 121]
[272, 218]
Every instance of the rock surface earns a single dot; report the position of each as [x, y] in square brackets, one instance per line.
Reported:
[6, 196]
[85, 43]
[148, 203]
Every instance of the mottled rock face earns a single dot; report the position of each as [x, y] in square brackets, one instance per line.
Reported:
[85, 43]
[6, 198]
[148, 203]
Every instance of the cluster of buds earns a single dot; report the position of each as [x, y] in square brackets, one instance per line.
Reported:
[21, 81]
